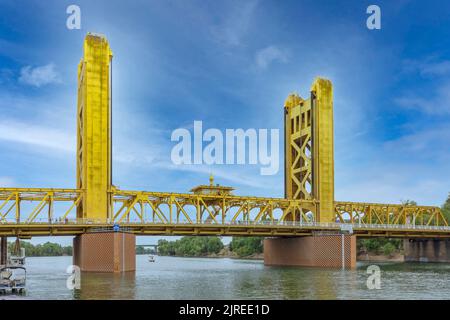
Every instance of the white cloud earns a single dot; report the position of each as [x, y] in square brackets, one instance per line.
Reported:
[220, 173]
[437, 103]
[428, 67]
[422, 144]
[409, 167]
[236, 24]
[373, 187]
[14, 131]
[39, 76]
[269, 55]
[440, 68]
[64, 141]
[137, 156]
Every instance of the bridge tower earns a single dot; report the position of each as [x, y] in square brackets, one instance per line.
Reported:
[309, 149]
[94, 174]
[97, 251]
[309, 175]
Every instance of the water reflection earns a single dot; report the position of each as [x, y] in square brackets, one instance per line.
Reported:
[202, 278]
[107, 286]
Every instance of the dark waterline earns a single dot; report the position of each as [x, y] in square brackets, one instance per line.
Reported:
[203, 278]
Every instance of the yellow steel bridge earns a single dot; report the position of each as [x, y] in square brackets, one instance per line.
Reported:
[308, 207]
[30, 212]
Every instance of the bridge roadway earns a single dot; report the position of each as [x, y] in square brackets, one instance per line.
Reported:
[237, 228]
[28, 212]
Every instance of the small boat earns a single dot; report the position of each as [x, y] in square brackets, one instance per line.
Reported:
[13, 279]
[151, 258]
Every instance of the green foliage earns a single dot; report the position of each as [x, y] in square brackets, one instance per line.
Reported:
[191, 246]
[446, 209]
[47, 249]
[246, 246]
[388, 249]
[390, 246]
[368, 245]
[380, 245]
[166, 248]
[409, 203]
[143, 250]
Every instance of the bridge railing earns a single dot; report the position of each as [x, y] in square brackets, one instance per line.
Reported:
[389, 214]
[108, 224]
[58, 206]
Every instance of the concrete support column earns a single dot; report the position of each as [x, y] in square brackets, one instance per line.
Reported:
[105, 252]
[331, 251]
[427, 250]
[3, 250]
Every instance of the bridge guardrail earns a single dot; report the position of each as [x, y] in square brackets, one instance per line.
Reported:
[298, 224]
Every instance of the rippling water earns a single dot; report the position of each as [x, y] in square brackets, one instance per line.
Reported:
[203, 278]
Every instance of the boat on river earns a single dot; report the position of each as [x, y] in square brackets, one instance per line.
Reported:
[13, 279]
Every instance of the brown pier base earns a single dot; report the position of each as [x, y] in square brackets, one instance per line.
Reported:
[105, 252]
[311, 251]
[3, 250]
[427, 250]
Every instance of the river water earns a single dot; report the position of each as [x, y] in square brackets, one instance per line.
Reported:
[210, 278]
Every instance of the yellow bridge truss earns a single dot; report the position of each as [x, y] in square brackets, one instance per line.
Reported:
[33, 212]
[308, 205]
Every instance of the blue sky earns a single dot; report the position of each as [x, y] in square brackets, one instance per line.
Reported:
[231, 64]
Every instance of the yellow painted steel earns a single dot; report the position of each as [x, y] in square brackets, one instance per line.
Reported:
[323, 148]
[309, 151]
[308, 205]
[29, 212]
[94, 129]
[298, 133]
[388, 214]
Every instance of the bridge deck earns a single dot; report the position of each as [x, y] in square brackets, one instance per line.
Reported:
[29, 212]
[239, 228]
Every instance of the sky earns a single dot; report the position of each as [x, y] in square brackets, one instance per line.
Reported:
[231, 64]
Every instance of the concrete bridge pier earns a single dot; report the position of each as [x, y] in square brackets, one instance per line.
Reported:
[427, 250]
[3, 250]
[325, 250]
[105, 252]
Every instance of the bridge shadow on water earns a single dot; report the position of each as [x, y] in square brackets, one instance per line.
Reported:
[107, 286]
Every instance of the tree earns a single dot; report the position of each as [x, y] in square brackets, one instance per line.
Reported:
[246, 246]
[409, 203]
[190, 246]
[166, 248]
[388, 249]
[380, 245]
[446, 209]
[214, 245]
[41, 250]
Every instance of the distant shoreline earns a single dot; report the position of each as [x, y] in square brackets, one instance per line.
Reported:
[371, 257]
[217, 256]
[363, 257]
[360, 257]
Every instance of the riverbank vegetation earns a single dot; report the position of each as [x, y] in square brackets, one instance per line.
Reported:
[389, 247]
[246, 246]
[190, 246]
[50, 249]
[143, 250]
[446, 208]
[380, 246]
[47, 249]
